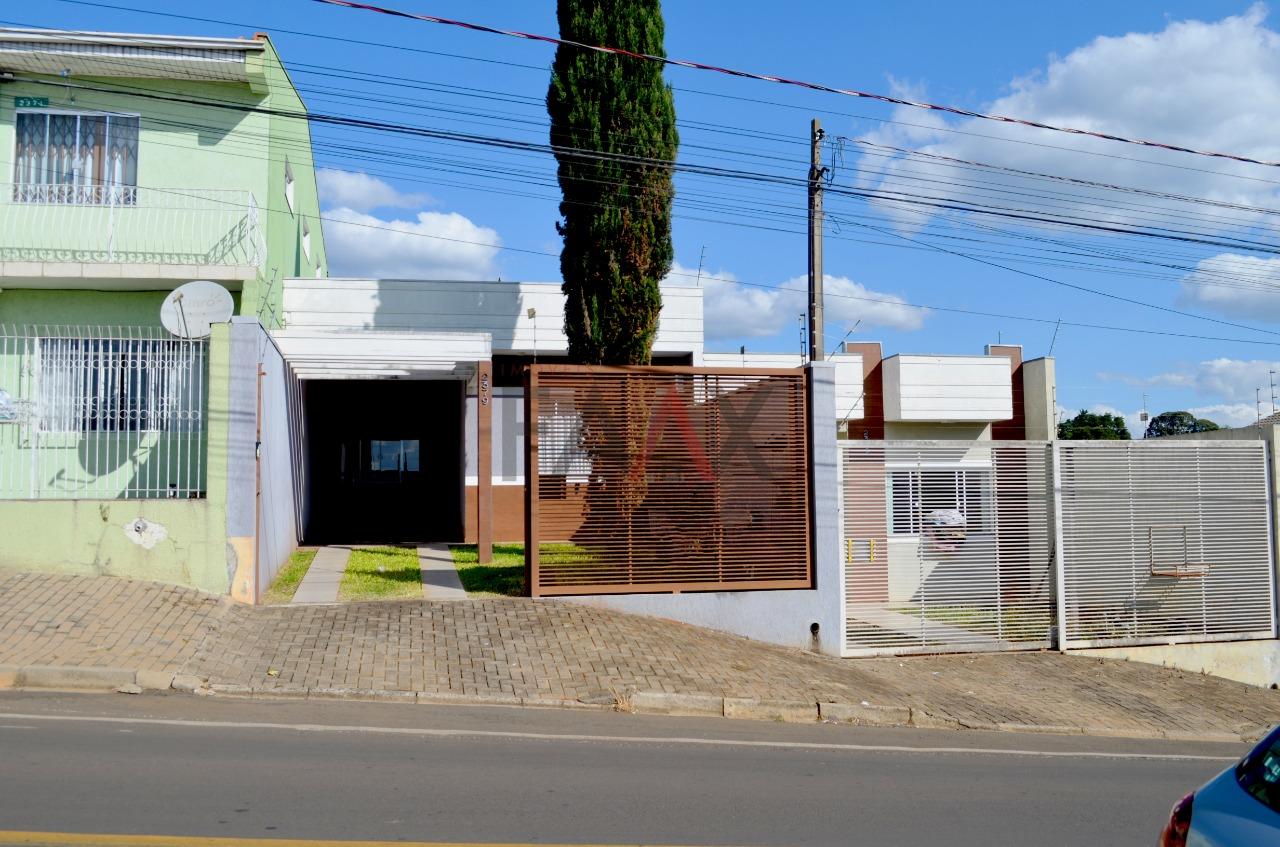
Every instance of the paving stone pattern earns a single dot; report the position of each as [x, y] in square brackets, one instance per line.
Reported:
[556, 650]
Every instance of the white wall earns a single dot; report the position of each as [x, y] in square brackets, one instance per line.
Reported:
[282, 464]
[497, 308]
[947, 388]
[848, 374]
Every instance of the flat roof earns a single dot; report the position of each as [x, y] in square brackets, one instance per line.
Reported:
[126, 39]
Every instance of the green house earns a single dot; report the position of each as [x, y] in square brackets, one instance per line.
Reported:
[134, 164]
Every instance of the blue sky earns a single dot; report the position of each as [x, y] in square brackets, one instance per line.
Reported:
[1202, 74]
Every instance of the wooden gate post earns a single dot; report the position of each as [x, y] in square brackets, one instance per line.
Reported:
[484, 462]
[531, 480]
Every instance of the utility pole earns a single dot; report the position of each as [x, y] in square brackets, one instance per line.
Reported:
[1258, 402]
[817, 173]
[1273, 392]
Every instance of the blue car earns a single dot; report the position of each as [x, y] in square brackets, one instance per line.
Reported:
[1240, 807]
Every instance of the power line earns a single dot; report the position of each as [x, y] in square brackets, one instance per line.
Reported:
[721, 172]
[812, 86]
[907, 198]
[524, 146]
[679, 89]
[1210, 273]
[1074, 286]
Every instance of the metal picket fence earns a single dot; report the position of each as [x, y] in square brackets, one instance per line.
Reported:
[101, 413]
[947, 546]
[972, 546]
[1165, 541]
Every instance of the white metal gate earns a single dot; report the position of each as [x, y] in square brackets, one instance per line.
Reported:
[1165, 541]
[948, 546]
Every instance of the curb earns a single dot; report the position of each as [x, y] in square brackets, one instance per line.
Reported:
[83, 678]
[133, 681]
[865, 714]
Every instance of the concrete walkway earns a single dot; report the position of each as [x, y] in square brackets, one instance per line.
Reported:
[439, 576]
[320, 585]
[513, 649]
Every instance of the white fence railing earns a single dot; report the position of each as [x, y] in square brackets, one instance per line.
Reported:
[119, 224]
[1165, 541]
[947, 546]
[101, 413]
[967, 546]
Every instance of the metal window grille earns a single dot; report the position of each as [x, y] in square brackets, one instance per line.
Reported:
[1165, 541]
[666, 479]
[69, 157]
[947, 546]
[101, 413]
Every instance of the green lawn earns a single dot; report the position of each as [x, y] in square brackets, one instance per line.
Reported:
[503, 577]
[288, 578]
[382, 573]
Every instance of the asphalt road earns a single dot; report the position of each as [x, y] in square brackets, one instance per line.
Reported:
[322, 770]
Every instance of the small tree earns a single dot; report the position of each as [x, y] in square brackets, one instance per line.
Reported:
[1177, 423]
[616, 207]
[1094, 426]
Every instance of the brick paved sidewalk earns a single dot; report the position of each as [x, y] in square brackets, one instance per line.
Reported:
[561, 651]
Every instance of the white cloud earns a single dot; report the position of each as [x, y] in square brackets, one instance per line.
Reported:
[435, 245]
[1230, 414]
[734, 310]
[1228, 380]
[1237, 286]
[1206, 85]
[362, 192]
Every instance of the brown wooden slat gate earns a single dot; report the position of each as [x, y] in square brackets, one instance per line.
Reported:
[666, 479]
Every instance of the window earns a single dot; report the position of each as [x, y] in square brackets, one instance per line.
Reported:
[288, 184]
[306, 240]
[82, 158]
[119, 385]
[1259, 772]
[399, 456]
[915, 495]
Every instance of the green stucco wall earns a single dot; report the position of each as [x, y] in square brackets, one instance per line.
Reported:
[93, 536]
[183, 146]
[89, 537]
[290, 141]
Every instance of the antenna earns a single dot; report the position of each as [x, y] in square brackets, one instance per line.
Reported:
[1054, 340]
[803, 358]
[701, 258]
[1258, 402]
[1144, 417]
[840, 347]
[1273, 392]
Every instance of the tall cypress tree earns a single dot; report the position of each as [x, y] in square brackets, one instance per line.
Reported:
[616, 214]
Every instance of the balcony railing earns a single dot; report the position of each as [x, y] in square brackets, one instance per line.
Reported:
[126, 225]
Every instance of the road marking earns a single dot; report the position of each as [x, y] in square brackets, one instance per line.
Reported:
[616, 739]
[85, 839]
[14, 726]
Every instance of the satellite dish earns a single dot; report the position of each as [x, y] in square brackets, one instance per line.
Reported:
[190, 310]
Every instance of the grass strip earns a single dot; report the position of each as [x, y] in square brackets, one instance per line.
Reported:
[288, 578]
[382, 573]
[503, 577]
